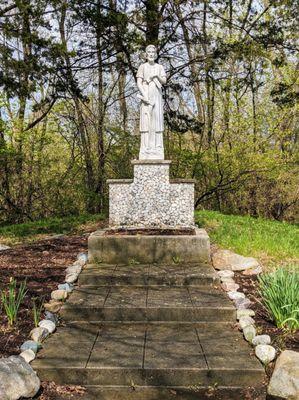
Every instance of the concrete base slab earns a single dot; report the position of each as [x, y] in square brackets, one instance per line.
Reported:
[146, 249]
[169, 393]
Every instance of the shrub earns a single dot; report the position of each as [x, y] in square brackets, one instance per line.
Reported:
[12, 299]
[280, 295]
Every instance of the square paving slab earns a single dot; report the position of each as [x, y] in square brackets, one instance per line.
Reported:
[168, 297]
[126, 297]
[117, 352]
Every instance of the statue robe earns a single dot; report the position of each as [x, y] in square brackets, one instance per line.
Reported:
[151, 115]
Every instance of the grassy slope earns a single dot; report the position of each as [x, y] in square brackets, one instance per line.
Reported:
[30, 231]
[270, 241]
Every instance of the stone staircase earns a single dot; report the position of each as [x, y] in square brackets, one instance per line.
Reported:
[149, 332]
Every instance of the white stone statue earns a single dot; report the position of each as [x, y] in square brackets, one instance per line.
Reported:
[150, 78]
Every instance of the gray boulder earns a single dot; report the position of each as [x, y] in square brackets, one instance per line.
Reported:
[4, 247]
[28, 355]
[71, 277]
[242, 304]
[52, 317]
[82, 258]
[265, 353]
[246, 321]
[228, 260]
[225, 274]
[68, 287]
[284, 382]
[236, 295]
[246, 312]
[48, 325]
[17, 379]
[30, 344]
[249, 333]
[59, 294]
[230, 286]
[261, 339]
[253, 271]
[39, 334]
[73, 269]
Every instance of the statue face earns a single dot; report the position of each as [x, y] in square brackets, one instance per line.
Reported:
[151, 54]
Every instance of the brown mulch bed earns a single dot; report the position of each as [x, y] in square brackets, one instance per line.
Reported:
[43, 266]
[51, 391]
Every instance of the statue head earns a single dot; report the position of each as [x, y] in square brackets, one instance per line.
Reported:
[151, 52]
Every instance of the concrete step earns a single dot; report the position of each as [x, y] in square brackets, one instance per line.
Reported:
[148, 303]
[177, 275]
[172, 393]
[148, 355]
[160, 249]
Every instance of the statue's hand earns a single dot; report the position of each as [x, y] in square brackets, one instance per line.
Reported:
[144, 99]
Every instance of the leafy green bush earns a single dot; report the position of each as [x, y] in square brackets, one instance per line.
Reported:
[12, 299]
[280, 295]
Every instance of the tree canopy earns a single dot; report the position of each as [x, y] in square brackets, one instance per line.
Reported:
[69, 113]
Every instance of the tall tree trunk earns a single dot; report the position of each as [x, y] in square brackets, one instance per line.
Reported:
[100, 127]
[4, 169]
[24, 9]
[228, 84]
[255, 182]
[209, 83]
[83, 134]
[121, 93]
[119, 31]
[193, 69]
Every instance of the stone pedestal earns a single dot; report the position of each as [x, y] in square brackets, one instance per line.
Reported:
[148, 249]
[151, 199]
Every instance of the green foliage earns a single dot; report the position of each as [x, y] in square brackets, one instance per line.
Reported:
[133, 261]
[37, 307]
[280, 295]
[176, 259]
[250, 236]
[12, 233]
[231, 118]
[12, 298]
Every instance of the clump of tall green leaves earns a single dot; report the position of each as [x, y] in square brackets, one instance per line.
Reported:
[12, 298]
[279, 291]
[37, 307]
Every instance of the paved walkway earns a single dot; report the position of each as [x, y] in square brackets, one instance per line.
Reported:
[148, 332]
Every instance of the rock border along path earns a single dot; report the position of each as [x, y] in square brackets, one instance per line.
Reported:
[154, 328]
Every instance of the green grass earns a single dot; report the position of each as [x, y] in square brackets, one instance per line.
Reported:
[268, 240]
[11, 234]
